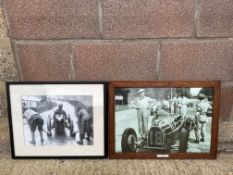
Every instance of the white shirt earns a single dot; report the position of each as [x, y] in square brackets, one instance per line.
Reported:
[184, 101]
[84, 114]
[143, 102]
[204, 106]
[174, 100]
[29, 113]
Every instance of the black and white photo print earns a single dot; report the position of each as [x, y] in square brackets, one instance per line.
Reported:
[57, 119]
[163, 120]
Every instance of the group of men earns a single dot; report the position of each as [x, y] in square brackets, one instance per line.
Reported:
[178, 105]
[35, 121]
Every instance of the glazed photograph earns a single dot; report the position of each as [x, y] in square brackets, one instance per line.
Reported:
[57, 120]
[163, 120]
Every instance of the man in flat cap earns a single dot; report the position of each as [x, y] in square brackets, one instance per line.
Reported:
[142, 104]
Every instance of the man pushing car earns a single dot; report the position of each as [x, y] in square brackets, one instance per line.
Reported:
[35, 121]
[84, 124]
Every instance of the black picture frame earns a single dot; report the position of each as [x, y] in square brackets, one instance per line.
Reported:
[104, 146]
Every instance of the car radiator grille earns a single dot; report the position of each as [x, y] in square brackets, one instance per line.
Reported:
[156, 137]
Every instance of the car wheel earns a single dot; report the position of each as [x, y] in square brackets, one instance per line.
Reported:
[128, 140]
[184, 141]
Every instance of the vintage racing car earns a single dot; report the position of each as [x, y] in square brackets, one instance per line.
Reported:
[165, 131]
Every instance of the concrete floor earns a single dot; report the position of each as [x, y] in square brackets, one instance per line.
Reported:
[223, 165]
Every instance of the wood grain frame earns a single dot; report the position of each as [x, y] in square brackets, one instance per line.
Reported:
[163, 84]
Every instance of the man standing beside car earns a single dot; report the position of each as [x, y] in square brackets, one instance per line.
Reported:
[142, 104]
[184, 105]
[201, 118]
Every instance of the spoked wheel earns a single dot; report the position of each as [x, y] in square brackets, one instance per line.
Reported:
[128, 140]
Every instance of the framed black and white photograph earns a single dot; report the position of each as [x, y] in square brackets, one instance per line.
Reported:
[57, 119]
[163, 119]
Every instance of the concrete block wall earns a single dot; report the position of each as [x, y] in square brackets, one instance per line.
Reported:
[121, 40]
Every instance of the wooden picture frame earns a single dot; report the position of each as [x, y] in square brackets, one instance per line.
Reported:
[57, 119]
[182, 125]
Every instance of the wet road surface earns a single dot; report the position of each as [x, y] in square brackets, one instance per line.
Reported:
[65, 140]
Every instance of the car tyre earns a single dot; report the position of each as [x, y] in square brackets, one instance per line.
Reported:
[128, 140]
[184, 141]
